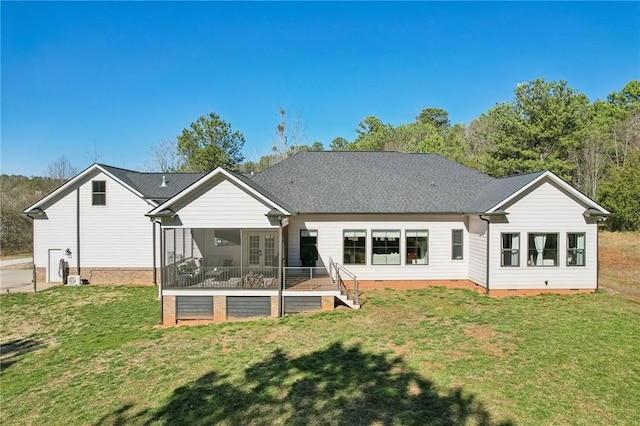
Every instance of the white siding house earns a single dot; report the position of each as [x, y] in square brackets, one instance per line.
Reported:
[309, 231]
[545, 209]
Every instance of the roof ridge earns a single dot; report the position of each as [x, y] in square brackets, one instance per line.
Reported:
[522, 174]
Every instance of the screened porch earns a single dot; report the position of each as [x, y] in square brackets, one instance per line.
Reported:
[220, 258]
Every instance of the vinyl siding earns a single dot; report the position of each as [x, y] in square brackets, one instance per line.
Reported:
[222, 205]
[477, 250]
[116, 235]
[330, 244]
[544, 209]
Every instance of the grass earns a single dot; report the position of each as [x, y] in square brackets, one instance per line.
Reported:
[92, 355]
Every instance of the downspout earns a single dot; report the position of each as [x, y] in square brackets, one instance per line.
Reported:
[487, 256]
[280, 281]
[33, 254]
[162, 274]
[153, 239]
[78, 229]
[597, 257]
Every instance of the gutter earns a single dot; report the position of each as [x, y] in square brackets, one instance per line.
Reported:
[78, 229]
[488, 221]
[32, 214]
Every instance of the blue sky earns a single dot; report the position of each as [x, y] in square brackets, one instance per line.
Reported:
[112, 79]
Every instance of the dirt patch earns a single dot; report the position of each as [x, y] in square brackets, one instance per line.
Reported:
[488, 339]
[619, 258]
[399, 350]
[479, 332]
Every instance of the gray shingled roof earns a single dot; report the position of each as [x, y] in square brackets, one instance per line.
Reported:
[500, 189]
[148, 184]
[373, 182]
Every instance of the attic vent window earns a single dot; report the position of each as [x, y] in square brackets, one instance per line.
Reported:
[164, 182]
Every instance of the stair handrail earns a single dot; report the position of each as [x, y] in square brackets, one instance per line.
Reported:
[339, 268]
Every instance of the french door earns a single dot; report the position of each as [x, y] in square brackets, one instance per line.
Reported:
[262, 249]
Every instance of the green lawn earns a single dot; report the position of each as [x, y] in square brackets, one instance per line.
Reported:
[92, 355]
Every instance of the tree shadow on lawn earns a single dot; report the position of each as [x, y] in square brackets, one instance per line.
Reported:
[337, 385]
[11, 351]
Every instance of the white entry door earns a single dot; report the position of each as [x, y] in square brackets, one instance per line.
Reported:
[54, 273]
[262, 249]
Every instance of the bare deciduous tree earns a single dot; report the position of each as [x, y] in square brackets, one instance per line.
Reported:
[61, 169]
[288, 136]
[165, 157]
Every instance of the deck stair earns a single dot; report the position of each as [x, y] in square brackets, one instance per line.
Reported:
[347, 283]
[335, 280]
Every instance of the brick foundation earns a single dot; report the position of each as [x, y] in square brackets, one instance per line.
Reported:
[537, 292]
[219, 308]
[41, 275]
[275, 301]
[417, 284]
[328, 303]
[117, 276]
[169, 310]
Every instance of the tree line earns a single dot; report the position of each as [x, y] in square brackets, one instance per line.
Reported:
[547, 125]
[594, 146]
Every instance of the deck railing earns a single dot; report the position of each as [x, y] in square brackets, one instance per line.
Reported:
[227, 277]
[308, 278]
[347, 281]
[336, 277]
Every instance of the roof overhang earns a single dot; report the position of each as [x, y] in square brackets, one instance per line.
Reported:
[163, 213]
[219, 171]
[591, 212]
[556, 180]
[35, 212]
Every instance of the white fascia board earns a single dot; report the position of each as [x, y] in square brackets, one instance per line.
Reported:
[561, 183]
[77, 179]
[203, 181]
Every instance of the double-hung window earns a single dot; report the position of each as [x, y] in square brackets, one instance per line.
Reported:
[543, 249]
[575, 249]
[355, 247]
[98, 193]
[457, 244]
[386, 248]
[417, 247]
[510, 249]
